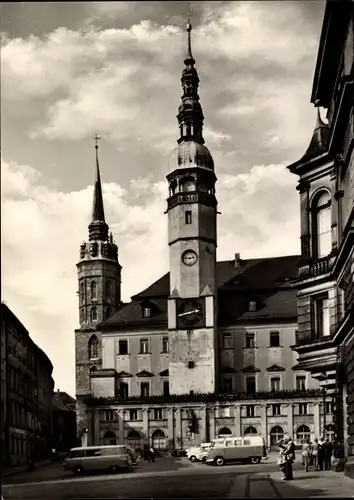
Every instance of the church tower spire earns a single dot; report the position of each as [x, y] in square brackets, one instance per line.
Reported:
[98, 229]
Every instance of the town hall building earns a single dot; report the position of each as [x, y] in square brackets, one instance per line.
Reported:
[204, 351]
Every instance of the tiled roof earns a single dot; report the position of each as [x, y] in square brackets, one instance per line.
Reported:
[267, 281]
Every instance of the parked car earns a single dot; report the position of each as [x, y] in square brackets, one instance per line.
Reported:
[237, 449]
[203, 452]
[98, 458]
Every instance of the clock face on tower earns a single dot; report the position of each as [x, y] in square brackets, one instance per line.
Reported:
[190, 313]
[189, 258]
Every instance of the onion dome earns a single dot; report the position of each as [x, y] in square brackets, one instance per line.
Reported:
[191, 154]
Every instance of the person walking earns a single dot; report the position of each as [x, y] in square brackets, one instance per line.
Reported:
[327, 453]
[320, 454]
[306, 454]
[315, 448]
[152, 454]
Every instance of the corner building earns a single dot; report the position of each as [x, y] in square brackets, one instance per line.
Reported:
[206, 349]
[325, 281]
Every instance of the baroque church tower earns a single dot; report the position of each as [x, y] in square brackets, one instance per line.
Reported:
[99, 280]
[192, 212]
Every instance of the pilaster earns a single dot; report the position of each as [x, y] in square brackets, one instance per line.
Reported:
[211, 411]
[237, 416]
[120, 426]
[202, 425]
[96, 433]
[316, 420]
[264, 425]
[290, 411]
[178, 417]
[170, 428]
[146, 424]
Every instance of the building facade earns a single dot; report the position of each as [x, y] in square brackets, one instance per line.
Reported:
[26, 394]
[64, 422]
[206, 349]
[326, 185]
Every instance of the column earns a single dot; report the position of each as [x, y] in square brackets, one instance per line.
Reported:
[264, 430]
[202, 425]
[316, 420]
[146, 425]
[212, 422]
[120, 426]
[170, 428]
[178, 421]
[237, 410]
[290, 421]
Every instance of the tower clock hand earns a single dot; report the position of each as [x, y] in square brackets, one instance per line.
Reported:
[189, 312]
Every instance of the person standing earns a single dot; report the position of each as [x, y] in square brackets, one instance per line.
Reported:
[306, 454]
[327, 453]
[320, 453]
[152, 455]
[315, 448]
[288, 451]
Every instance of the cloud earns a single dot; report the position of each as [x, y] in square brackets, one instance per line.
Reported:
[43, 228]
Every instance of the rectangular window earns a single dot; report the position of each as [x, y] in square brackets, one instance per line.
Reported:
[227, 341]
[124, 390]
[227, 385]
[191, 364]
[109, 415]
[275, 384]
[276, 409]
[133, 414]
[322, 317]
[158, 415]
[250, 384]
[166, 388]
[329, 407]
[144, 346]
[146, 312]
[165, 344]
[188, 216]
[123, 347]
[144, 389]
[252, 306]
[301, 382]
[302, 408]
[274, 339]
[250, 410]
[250, 340]
[224, 412]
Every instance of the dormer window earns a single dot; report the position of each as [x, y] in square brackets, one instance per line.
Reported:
[146, 311]
[252, 306]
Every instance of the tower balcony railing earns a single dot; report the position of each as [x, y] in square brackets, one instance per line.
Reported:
[322, 266]
[192, 197]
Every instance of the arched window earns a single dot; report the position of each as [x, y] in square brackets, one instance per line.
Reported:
[93, 347]
[93, 368]
[82, 291]
[159, 440]
[93, 313]
[93, 290]
[276, 433]
[250, 430]
[109, 438]
[321, 225]
[187, 184]
[224, 431]
[82, 314]
[302, 434]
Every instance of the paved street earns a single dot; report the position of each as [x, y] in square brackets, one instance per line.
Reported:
[170, 478]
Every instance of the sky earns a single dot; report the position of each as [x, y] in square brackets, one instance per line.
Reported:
[69, 70]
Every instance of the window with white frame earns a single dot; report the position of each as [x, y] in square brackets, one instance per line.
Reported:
[301, 382]
[321, 316]
[224, 412]
[250, 410]
[252, 306]
[275, 384]
[227, 341]
[276, 409]
[250, 339]
[133, 414]
[144, 346]
[165, 344]
[302, 408]
[124, 390]
[274, 339]
[146, 312]
[321, 225]
[144, 389]
[109, 415]
[158, 414]
[122, 347]
[329, 407]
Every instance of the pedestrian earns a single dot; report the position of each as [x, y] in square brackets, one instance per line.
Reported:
[327, 453]
[306, 453]
[315, 448]
[320, 454]
[152, 454]
[288, 451]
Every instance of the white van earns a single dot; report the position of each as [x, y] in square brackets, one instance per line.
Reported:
[237, 449]
[98, 458]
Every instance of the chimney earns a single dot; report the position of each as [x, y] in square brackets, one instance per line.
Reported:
[237, 260]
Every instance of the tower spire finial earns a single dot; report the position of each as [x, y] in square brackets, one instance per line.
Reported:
[98, 227]
[189, 59]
